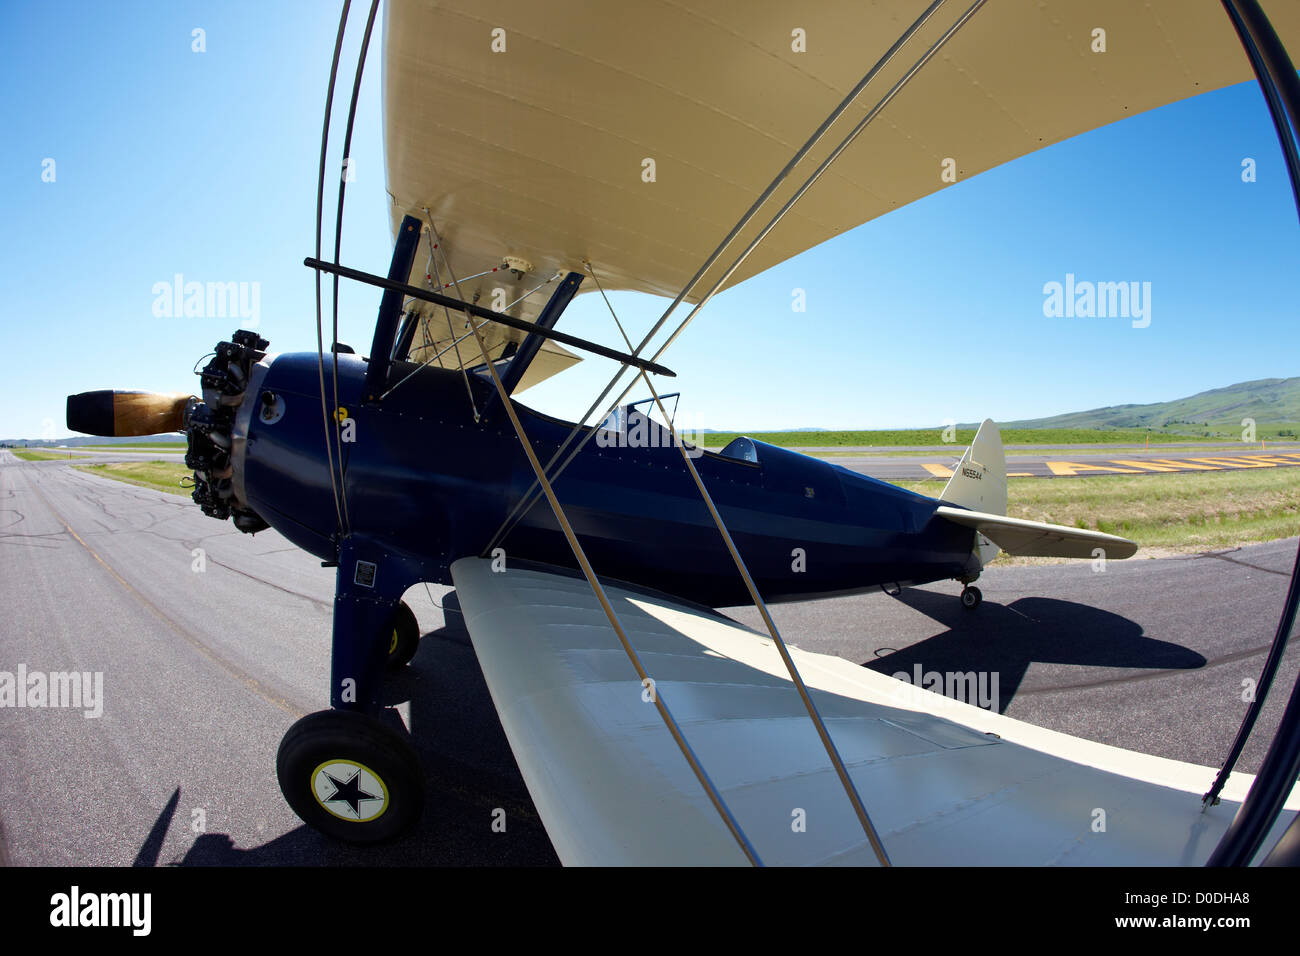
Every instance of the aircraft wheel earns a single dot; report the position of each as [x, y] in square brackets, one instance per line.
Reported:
[350, 776]
[971, 597]
[405, 640]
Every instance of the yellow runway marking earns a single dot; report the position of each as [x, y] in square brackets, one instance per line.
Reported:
[1186, 466]
[1226, 462]
[1138, 466]
[1068, 469]
[1149, 465]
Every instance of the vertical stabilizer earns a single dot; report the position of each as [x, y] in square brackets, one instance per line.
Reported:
[979, 482]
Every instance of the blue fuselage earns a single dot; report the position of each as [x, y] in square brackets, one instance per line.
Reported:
[427, 480]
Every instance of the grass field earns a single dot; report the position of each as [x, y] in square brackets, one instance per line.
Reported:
[159, 475]
[962, 437]
[1182, 513]
[40, 455]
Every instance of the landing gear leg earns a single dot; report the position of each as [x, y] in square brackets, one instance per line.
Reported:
[346, 771]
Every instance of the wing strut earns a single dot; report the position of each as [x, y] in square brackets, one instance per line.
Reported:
[656, 698]
[550, 314]
[390, 307]
[470, 309]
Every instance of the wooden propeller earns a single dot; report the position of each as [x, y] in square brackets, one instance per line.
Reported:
[115, 414]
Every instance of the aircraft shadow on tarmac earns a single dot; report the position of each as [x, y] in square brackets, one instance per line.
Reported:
[469, 773]
[1005, 639]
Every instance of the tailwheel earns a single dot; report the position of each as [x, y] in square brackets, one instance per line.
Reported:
[350, 776]
[405, 639]
[971, 597]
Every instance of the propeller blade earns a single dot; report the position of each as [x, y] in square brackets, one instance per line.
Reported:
[117, 414]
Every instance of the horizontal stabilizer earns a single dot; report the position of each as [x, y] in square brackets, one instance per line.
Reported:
[1024, 538]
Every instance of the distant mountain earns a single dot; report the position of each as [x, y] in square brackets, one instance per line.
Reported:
[1266, 400]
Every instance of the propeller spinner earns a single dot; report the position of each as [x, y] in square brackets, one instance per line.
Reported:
[209, 423]
[117, 414]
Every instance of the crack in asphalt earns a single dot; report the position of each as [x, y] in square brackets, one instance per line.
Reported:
[327, 605]
[1223, 556]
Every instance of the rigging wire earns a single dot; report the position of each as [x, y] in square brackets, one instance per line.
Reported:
[320, 202]
[457, 339]
[477, 275]
[338, 241]
[469, 320]
[423, 318]
[850, 790]
[656, 696]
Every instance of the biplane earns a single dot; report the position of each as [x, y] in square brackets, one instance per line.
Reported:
[535, 151]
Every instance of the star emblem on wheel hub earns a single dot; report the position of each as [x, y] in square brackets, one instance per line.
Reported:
[349, 790]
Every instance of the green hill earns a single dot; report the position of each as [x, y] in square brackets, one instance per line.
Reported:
[1274, 401]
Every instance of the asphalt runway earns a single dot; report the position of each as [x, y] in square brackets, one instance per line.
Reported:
[204, 670]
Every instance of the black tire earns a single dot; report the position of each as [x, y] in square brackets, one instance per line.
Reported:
[971, 597]
[374, 790]
[405, 639]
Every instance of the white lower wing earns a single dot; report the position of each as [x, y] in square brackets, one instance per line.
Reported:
[1019, 536]
[944, 782]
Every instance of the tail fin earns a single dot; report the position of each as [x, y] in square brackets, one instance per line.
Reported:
[979, 482]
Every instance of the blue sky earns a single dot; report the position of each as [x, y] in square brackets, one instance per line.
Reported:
[169, 161]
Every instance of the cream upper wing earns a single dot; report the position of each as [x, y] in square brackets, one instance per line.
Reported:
[526, 127]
